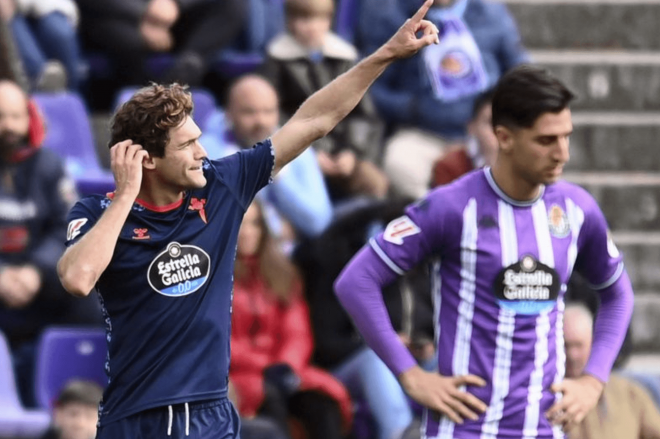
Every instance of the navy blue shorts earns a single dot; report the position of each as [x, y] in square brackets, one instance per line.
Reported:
[215, 419]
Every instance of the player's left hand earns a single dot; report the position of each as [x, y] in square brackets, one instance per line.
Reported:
[580, 396]
[405, 42]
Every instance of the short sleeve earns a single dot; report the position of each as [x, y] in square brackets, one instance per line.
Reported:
[81, 218]
[599, 260]
[409, 239]
[247, 171]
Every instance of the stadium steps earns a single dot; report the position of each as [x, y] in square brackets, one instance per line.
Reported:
[608, 52]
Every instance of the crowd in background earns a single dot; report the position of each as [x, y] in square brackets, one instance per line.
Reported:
[299, 366]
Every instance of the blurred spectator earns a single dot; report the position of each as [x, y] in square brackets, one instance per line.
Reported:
[256, 427]
[130, 30]
[76, 411]
[339, 346]
[429, 98]
[306, 58]
[480, 148]
[35, 195]
[272, 343]
[47, 41]
[624, 409]
[298, 192]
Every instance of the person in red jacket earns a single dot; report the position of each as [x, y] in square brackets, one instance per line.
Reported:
[272, 343]
[480, 148]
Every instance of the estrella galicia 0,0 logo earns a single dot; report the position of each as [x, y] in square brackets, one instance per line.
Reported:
[179, 270]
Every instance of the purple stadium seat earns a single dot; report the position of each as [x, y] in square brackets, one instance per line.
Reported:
[202, 99]
[67, 353]
[15, 421]
[69, 133]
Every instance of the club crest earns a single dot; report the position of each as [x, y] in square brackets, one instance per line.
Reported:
[558, 222]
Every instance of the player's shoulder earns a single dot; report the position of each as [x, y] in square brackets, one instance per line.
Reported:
[463, 188]
[448, 202]
[574, 192]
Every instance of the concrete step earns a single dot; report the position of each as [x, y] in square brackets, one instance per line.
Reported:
[630, 201]
[641, 253]
[588, 24]
[645, 325]
[607, 80]
[615, 141]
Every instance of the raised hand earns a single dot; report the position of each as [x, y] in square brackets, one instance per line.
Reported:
[126, 162]
[405, 42]
[579, 396]
[442, 394]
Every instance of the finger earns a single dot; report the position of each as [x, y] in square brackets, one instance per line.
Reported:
[421, 12]
[557, 388]
[132, 151]
[469, 380]
[554, 411]
[427, 41]
[141, 155]
[449, 412]
[461, 409]
[427, 28]
[472, 401]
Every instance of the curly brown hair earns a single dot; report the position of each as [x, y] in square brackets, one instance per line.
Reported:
[149, 115]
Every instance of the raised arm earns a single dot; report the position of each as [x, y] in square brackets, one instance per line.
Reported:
[317, 116]
[83, 263]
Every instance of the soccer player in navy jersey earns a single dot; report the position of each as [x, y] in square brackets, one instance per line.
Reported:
[503, 241]
[160, 249]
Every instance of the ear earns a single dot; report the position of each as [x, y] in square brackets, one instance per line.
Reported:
[504, 138]
[149, 163]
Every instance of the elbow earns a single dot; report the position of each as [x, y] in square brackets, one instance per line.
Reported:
[341, 286]
[75, 282]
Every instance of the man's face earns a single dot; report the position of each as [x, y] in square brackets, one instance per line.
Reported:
[14, 118]
[254, 114]
[181, 166]
[481, 129]
[76, 421]
[577, 339]
[311, 31]
[538, 154]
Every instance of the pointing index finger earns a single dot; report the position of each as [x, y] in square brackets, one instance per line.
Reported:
[421, 12]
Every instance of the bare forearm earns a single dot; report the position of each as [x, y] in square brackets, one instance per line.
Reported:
[328, 106]
[331, 104]
[325, 108]
[82, 264]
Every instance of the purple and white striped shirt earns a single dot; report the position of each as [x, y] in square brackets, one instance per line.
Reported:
[499, 279]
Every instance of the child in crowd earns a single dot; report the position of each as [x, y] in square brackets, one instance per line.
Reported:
[302, 60]
[76, 411]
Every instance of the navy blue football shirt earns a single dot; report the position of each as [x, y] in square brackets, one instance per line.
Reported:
[167, 292]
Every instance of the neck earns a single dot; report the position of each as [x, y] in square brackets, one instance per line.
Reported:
[157, 194]
[512, 185]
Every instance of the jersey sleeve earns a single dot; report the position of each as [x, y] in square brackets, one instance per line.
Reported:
[409, 239]
[81, 218]
[247, 171]
[598, 260]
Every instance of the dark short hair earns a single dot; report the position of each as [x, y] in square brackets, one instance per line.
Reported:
[482, 100]
[80, 392]
[149, 115]
[525, 93]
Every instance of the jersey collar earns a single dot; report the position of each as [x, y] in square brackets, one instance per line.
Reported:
[505, 197]
[152, 207]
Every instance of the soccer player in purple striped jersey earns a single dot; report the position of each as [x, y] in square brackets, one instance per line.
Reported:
[504, 241]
